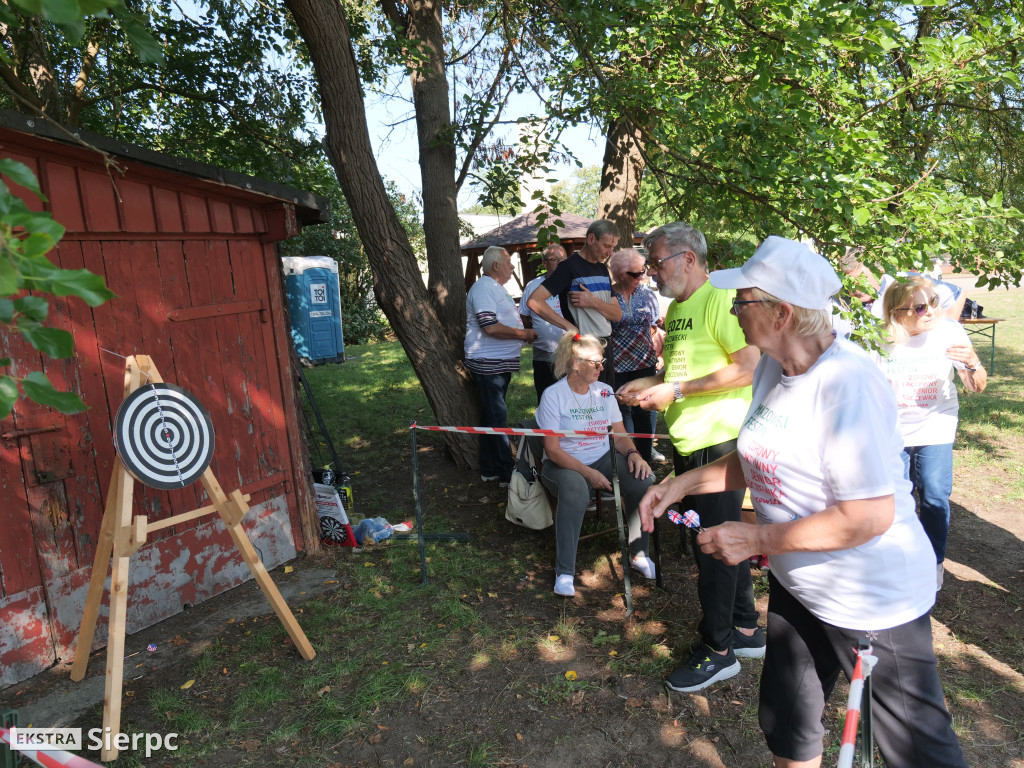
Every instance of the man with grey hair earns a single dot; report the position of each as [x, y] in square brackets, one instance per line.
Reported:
[547, 334]
[583, 288]
[494, 341]
[705, 393]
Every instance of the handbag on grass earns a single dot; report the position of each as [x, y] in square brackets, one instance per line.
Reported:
[527, 505]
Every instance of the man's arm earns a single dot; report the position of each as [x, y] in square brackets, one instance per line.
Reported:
[610, 310]
[739, 373]
[538, 304]
[499, 331]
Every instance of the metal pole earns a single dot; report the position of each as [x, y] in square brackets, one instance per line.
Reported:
[419, 506]
[623, 544]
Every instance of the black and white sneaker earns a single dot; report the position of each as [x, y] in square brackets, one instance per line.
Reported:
[704, 668]
[748, 647]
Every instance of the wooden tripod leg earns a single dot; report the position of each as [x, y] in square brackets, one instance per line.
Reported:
[94, 596]
[117, 624]
[231, 512]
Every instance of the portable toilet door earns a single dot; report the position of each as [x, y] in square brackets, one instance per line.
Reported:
[314, 298]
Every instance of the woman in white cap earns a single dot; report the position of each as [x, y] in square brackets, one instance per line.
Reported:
[820, 452]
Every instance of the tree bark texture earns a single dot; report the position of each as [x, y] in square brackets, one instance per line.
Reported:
[434, 130]
[397, 284]
[621, 173]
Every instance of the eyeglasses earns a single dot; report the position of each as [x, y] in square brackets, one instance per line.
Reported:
[594, 363]
[635, 275]
[737, 303]
[933, 302]
[656, 263]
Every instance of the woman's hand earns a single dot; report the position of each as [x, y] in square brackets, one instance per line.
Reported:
[597, 481]
[658, 498]
[638, 467]
[730, 542]
[963, 353]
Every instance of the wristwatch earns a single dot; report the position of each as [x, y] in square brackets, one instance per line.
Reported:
[677, 391]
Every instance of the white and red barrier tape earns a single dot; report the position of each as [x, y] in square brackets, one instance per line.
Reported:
[866, 661]
[51, 758]
[543, 432]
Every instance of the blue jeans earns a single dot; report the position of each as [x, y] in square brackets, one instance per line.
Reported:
[930, 469]
[495, 453]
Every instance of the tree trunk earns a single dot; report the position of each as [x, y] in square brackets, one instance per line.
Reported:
[445, 280]
[622, 171]
[397, 284]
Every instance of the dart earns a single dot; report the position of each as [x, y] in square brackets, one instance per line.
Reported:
[689, 518]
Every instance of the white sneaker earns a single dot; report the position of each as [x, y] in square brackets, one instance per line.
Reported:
[563, 585]
[644, 565]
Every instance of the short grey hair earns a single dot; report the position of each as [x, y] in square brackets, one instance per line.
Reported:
[553, 249]
[601, 227]
[806, 322]
[680, 236]
[491, 255]
[620, 259]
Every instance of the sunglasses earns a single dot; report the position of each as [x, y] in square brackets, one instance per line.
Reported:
[594, 363]
[635, 275]
[920, 309]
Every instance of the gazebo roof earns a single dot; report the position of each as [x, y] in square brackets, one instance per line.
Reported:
[521, 233]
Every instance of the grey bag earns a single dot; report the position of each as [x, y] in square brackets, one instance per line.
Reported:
[528, 504]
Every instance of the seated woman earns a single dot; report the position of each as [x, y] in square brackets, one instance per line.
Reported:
[574, 465]
[924, 350]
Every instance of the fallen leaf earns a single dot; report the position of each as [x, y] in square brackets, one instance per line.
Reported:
[368, 564]
[322, 691]
[382, 727]
[230, 621]
[288, 569]
[492, 594]
[375, 739]
[519, 737]
[187, 684]
[613, 653]
[633, 701]
[407, 761]
[570, 675]
[553, 638]
[179, 640]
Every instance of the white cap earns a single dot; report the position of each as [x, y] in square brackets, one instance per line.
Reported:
[786, 269]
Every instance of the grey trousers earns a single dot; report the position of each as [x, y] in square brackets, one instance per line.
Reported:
[573, 494]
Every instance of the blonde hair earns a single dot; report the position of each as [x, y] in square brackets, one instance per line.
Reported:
[568, 348]
[897, 294]
[806, 322]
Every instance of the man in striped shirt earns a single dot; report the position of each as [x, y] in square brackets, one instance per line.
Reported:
[494, 340]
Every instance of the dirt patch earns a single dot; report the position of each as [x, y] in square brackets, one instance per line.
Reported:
[495, 691]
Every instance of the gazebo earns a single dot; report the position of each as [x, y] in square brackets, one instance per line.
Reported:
[520, 235]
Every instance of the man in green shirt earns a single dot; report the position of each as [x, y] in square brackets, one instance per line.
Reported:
[705, 393]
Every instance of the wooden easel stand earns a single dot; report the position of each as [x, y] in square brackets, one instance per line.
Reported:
[121, 535]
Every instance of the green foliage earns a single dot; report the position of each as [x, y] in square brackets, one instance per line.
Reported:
[845, 123]
[26, 237]
[578, 194]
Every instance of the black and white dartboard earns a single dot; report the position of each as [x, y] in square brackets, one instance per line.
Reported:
[164, 436]
[333, 531]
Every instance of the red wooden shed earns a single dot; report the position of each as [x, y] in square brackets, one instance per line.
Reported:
[191, 252]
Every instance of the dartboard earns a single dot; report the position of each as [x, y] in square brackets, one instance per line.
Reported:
[332, 530]
[164, 436]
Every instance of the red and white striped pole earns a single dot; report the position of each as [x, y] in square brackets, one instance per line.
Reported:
[866, 661]
[56, 758]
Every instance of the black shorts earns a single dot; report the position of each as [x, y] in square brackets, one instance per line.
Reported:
[803, 661]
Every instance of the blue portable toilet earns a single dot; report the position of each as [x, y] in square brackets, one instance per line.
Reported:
[314, 300]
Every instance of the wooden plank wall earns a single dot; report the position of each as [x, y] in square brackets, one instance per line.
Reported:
[162, 242]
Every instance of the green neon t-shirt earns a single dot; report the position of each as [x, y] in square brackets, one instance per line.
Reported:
[700, 336]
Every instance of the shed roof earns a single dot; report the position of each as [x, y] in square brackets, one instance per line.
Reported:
[521, 232]
[309, 208]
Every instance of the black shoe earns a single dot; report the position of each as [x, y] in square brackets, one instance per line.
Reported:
[703, 669]
[751, 647]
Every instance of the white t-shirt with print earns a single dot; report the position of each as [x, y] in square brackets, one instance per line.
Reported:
[828, 435]
[561, 408]
[922, 377]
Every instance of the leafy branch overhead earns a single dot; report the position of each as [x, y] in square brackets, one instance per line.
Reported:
[26, 237]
